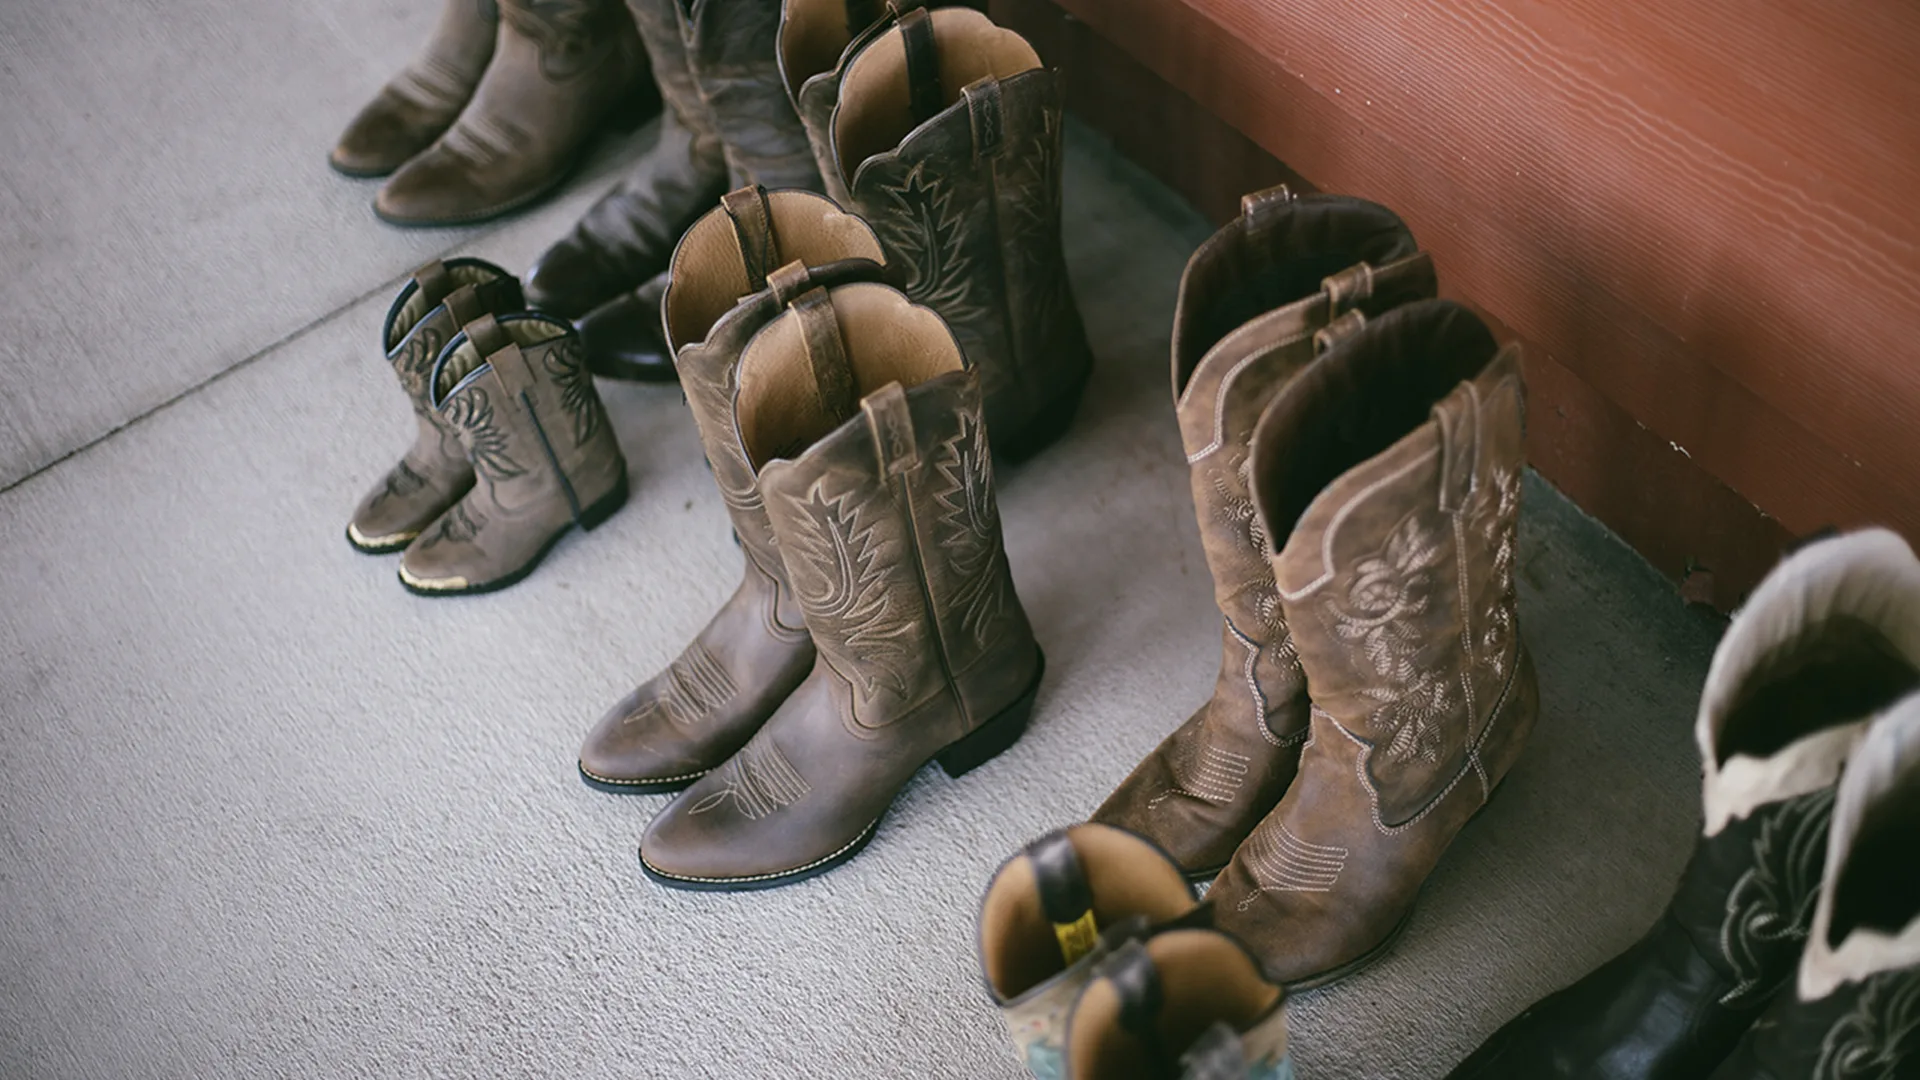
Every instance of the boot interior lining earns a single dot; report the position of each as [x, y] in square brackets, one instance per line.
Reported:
[812, 37]
[1879, 882]
[1839, 670]
[1205, 978]
[525, 331]
[415, 304]
[710, 275]
[1359, 399]
[887, 339]
[875, 112]
[1126, 877]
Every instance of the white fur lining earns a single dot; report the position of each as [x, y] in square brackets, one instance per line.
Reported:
[1886, 759]
[1870, 575]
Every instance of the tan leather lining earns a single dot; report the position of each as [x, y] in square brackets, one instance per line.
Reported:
[417, 305]
[1205, 979]
[465, 359]
[812, 37]
[874, 113]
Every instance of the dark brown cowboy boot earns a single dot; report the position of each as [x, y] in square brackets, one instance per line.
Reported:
[627, 236]
[1250, 303]
[425, 98]
[1855, 1008]
[947, 137]
[694, 715]
[817, 38]
[864, 425]
[1053, 912]
[1831, 637]
[561, 69]
[542, 451]
[431, 308]
[1388, 477]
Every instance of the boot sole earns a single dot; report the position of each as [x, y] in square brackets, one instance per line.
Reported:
[377, 549]
[957, 759]
[589, 518]
[1045, 429]
[615, 786]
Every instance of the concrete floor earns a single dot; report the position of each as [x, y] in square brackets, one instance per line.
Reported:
[264, 814]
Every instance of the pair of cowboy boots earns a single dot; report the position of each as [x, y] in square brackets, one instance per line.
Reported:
[512, 446]
[1356, 454]
[876, 625]
[1808, 861]
[726, 125]
[497, 108]
[943, 131]
[1082, 947]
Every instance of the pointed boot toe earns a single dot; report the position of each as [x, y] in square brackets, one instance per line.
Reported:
[385, 136]
[421, 102]
[438, 187]
[623, 337]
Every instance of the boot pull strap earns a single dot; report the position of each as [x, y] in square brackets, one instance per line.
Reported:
[891, 422]
[752, 219]
[1260, 209]
[465, 305]
[1136, 982]
[433, 281]
[1346, 289]
[826, 354]
[795, 278]
[789, 282]
[1457, 418]
[484, 334]
[1065, 897]
[1337, 331]
[924, 96]
[983, 108]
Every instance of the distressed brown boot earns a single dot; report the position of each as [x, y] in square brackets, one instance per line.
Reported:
[1388, 477]
[425, 98]
[560, 69]
[628, 235]
[1053, 912]
[863, 423]
[543, 453]
[817, 38]
[1250, 302]
[947, 138]
[434, 474]
[694, 715]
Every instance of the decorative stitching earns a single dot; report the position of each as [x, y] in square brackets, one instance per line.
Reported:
[1873, 1038]
[759, 780]
[697, 684]
[1769, 910]
[1220, 395]
[1281, 861]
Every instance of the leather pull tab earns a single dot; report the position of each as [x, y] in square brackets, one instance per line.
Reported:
[1065, 897]
[465, 305]
[826, 354]
[752, 219]
[1348, 288]
[983, 108]
[484, 333]
[1457, 416]
[924, 94]
[1136, 982]
[1260, 209]
[789, 282]
[891, 422]
[1338, 331]
[433, 281]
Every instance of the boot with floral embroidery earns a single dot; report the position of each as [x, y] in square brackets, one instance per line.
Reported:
[1388, 477]
[1250, 303]
[544, 457]
[863, 424]
[1829, 638]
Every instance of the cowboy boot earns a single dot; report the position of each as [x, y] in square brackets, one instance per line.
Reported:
[626, 237]
[1186, 1004]
[1387, 476]
[1053, 912]
[1855, 1011]
[947, 139]
[560, 69]
[425, 98]
[863, 423]
[434, 474]
[733, 49]
[542, 451]
[697, 713]
[1250, 302]
[1829, 638]
[817, 38]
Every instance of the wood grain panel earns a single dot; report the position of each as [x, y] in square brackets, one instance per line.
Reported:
[1701, 227]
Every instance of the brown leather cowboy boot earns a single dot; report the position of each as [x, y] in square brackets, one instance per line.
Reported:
[431, 308]
[1250, 302]
[544, 455]
[426, 97]
[864, 425]
[628, 235]
[817, 38]
[694, 715]
[561, 68]
[947, 138]
[1388, 477]
[1053, 912]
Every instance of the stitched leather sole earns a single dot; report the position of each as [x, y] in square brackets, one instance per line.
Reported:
[370, 548]
[618, 786]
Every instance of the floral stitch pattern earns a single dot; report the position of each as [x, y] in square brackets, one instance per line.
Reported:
[860, 614]
[488, 445]
[1388, 592]
[932, 238]
[969, 523]
[1770, 908]
[575, 388]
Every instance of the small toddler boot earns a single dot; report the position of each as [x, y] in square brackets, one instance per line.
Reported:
[430, 310]
[543, 454]
[425, 98]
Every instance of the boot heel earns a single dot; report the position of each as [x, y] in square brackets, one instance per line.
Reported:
[607, 504]
[990, 738]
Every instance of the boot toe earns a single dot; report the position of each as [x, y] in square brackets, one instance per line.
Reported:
[709, 838]
[632, 751]
[623, 340]
[385, 136]
[570, 279]
[400, 508]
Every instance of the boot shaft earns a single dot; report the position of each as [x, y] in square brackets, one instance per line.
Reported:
[817, 39]
[430, 309]
[732, 50]
[858, 413]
